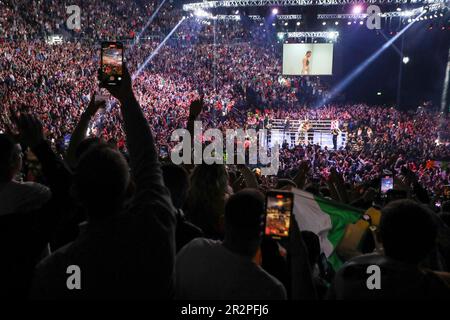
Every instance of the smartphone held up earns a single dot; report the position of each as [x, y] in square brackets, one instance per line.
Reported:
[279, 205]
[111, 68]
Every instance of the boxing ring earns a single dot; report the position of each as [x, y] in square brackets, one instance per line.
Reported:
[304, 132]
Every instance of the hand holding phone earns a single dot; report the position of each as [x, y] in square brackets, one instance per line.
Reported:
[112, 67]
[387, 183]
[279, 206]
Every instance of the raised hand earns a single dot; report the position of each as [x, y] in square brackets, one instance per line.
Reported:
[124, 89]
[93, 105]
[31, 132]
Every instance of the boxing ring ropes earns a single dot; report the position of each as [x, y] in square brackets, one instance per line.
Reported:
[304, 132]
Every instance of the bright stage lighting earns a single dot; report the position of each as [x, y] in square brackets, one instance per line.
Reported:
[286, 24]
[275, 11]
[281, 36]
[324, 23]
[201, 13]
[378, 93]
[298, 23]
[405, 60]
[336, 23]
[357, 9]
[399, 9]
[361, 22]
[349, 23]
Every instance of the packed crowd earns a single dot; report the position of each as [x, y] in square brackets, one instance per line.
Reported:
[94, 197]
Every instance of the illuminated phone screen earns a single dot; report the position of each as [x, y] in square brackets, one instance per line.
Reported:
[278, 214]
[387, 183]
[112, 62]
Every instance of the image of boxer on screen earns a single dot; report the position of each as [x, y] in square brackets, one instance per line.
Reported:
[306, 63]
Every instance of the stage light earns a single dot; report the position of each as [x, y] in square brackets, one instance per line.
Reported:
[405, 60]
[286, 23]
[425, 17]
[357, 9]
[236, 12]
[399, 9]
[409, 20]
[201, 13]
[275, 11]
[298, 23]
[336, 23]
[361, 22]
[332, 35]
[273, 24]
[378, 93]
[324, 23]
[281, 36]
[349, 23]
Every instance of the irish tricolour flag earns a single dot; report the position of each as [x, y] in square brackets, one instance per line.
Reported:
[325, 218]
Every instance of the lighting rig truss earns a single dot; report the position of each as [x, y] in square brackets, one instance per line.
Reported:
[262, 3]
[310, 34]
[394, 14]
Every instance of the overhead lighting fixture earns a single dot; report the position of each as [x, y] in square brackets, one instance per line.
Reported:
[336, 23]
[405, 60]
[357, 9]
[324, 23]
[275, 11]
[298, 23]
[349, 23]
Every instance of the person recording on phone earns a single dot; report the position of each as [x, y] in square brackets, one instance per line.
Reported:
[306, 63]
[127, 244]
[208, 269]
[408, 234]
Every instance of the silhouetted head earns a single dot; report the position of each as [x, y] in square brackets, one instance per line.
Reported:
[244, 214]
[176, 180]
[407, 231]
[206, 199]
[10, 158]
[101, 180]
[308, 53]
[85, 145]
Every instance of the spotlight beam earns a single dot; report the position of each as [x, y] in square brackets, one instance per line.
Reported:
[356, 72]
[393, 45]
[149, 21]
[155, 52]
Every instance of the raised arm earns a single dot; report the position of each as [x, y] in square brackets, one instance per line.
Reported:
[144, 163]
[80, 130]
